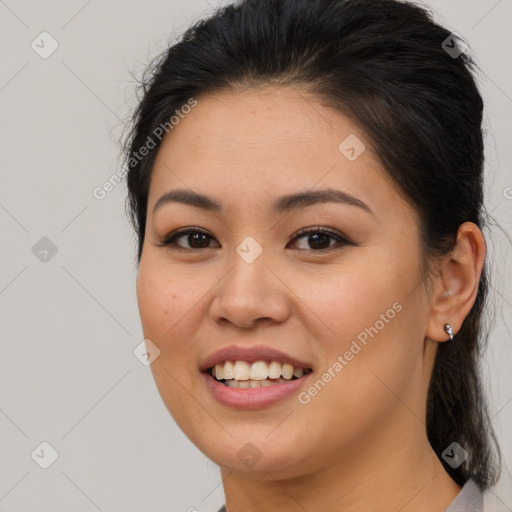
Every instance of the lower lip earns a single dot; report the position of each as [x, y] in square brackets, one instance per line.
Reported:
[253, 398]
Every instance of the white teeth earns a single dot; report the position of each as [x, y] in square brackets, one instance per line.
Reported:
[229, 370]
[245, 384]
[242, 370]
[274, 370]
[258, 371]
[287, 371]
[219, 373]
[297, 372]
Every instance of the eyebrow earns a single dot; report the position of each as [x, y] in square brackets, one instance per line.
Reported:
[283, 204]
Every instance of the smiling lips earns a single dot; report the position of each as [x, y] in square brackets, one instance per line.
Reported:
[241, 374]
[253, 377]
[253, 367]
[251, 354]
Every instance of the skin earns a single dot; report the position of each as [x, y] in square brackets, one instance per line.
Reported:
[361, 443]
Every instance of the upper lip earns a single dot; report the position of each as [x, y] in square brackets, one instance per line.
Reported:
[251, 354]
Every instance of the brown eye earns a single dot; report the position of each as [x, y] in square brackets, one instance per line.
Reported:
[196, 239]
[319, 239]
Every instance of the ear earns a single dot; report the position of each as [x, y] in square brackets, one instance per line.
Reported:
[456, 286]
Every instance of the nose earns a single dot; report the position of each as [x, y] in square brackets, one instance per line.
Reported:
[250, 294]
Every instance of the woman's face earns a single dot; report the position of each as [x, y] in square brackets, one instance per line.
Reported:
[354, 311]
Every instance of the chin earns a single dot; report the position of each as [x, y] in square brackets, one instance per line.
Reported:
[256, 456]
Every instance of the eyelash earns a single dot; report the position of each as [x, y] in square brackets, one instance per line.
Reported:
[172, 237]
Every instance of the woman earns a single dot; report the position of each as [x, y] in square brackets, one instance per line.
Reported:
[305, 179]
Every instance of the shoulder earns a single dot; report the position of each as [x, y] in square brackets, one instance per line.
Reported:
[469, 499]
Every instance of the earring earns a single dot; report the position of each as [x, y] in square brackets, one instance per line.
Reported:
[448, 329]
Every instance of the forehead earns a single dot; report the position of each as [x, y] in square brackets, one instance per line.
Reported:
[277, 122]
[254, 144]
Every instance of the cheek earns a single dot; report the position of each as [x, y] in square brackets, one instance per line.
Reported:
[168, 317]
[348, 299]
[164, 296]
[374, 343]
[172, 309]
[156, 296]
[366, 314]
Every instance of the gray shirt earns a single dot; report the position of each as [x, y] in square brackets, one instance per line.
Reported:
[469, 499]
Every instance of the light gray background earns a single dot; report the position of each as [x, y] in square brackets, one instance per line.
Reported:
[69, 326]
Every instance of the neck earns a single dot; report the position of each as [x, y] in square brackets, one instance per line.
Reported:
[403, 473]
